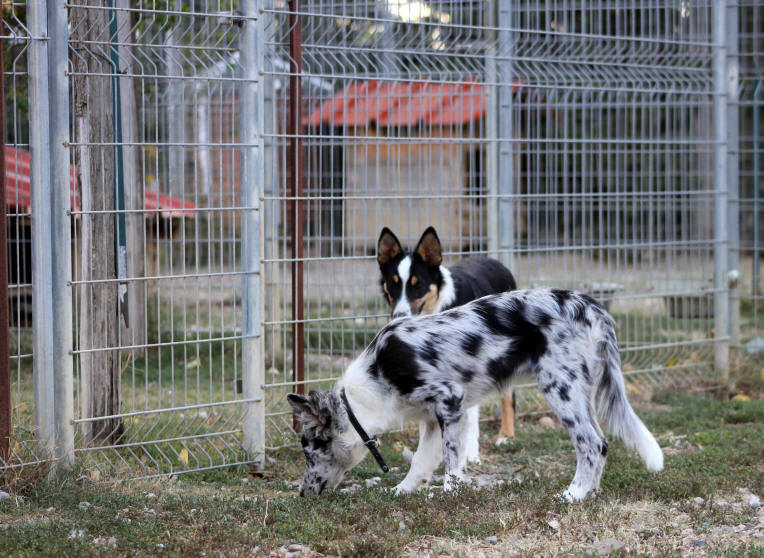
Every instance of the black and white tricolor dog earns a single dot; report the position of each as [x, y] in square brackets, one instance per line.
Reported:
[419, 283]
[431, 368]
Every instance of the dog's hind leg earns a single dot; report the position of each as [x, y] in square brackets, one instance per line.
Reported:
[426, 459]
[507, 430]
[603, 446]
[570, 401]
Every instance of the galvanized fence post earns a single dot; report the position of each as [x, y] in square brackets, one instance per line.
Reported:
[721, 291]
[733, 158]
[60, 230]
[506, 169]
[41, 196]
[5, 363]
[492, 131]
[253, 360]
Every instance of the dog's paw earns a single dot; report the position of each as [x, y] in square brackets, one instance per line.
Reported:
[572, 494]
[452, 483]
[402, 489]
[474, 459]
[503, 440]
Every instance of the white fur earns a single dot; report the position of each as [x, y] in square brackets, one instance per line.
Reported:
[403, 306]
[447, 293]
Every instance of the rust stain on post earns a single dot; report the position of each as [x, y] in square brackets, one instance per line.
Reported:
[296, 189]
[5, 365]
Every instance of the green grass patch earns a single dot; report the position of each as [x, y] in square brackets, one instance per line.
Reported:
[712, 449]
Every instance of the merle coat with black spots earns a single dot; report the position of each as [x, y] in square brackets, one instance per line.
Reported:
[431, 368]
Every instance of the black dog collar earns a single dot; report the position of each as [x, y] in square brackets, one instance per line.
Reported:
[370, 443]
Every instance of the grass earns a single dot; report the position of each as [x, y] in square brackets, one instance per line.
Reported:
[712, 448]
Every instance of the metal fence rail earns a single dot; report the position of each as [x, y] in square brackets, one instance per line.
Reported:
[193, 234]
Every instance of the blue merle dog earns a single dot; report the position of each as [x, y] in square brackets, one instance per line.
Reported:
[431, 368]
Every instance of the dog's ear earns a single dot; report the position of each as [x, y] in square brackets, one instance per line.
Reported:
[429, 248]
[388, 247]
[306, 409]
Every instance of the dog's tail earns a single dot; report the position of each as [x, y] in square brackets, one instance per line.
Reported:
[613, 407]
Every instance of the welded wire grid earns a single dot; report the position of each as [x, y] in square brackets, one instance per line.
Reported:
[750, 171]
[180, 359]
[572, 140]
[586, 126]
[17, 37]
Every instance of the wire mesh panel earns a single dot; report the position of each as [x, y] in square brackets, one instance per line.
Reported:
[157, 235]
[16, 37]
[571, 140]
[750, 172]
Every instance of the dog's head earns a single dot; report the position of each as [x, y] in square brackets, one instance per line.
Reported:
[410, 282]
[329, 450]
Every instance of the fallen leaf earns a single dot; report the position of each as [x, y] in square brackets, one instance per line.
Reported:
[183, 456]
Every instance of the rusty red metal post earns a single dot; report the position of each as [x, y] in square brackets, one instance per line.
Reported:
[5, 364]
[296, 189]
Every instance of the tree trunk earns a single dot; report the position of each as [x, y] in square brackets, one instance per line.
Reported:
[99, 320]
[135, 223]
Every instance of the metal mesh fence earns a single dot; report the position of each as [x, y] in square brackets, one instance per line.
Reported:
[178, 400]
[208, 141]
[17, 36]
[571, 140]
[747, 106]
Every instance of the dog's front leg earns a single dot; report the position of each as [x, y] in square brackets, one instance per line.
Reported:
[451, 431]
[425, 460]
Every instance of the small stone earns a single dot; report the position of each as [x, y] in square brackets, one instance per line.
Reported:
[753, 501]
[160, 546]
[698, 543]
[50, 509]
[554, 524]
[373, 481]
[546, 422]
[245, 480]
[76, 534]
[408, 455]
[698, 500]
[401, 526]
[4, 495]
[84, 505]
[493, 539]
[682, 518]
[608, 546]
[294, 548]
[150, 495]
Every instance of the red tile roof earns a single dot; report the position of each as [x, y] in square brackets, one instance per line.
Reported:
[403, 104]
[18, 189]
